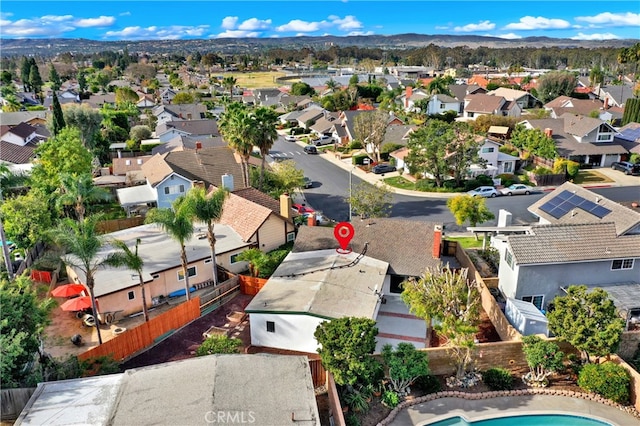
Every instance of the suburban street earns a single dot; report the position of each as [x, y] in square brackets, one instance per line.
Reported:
[331, 186]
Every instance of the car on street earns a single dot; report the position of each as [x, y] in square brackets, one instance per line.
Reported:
[311, 149]
[323, 140]
[517, 189]
[484, 191]
[308, 183]
[383, 168]
[626, 167]
[302, 209]
[290, 138]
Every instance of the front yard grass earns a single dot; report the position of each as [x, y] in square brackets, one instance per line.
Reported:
[400, 182]
[590, 176]
[468, 242]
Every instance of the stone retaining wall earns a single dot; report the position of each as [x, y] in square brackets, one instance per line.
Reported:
[494, 394]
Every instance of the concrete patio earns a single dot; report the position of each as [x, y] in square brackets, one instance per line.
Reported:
[395, 324]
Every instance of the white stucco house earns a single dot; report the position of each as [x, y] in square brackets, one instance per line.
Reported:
[496, 162]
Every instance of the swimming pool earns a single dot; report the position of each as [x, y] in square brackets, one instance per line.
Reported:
[530, 420]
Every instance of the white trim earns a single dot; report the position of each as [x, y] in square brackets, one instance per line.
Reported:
[622, 262]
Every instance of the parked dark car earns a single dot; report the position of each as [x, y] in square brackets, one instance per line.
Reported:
[627, 168]
[310, 149]
[383, 168]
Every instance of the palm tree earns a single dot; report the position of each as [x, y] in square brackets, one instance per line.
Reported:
[266, 134]
[229, 83]
[81, 244]
[208, 209]
[332, 84]
[176, 222]
[131, 260]
[78, 191]
[439, 85]
[238, 128]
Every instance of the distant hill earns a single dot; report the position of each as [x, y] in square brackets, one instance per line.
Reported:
[48, 47]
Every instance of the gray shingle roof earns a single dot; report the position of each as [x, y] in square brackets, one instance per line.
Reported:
[623, 217]
[572, 243]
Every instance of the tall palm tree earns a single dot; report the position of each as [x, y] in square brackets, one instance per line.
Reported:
[266, 134]
[176, 222]
[78, 191]
[81, 244]
[124, 256]
[332, 84]
[439, 85]
[238, 128]
[208, 209]
[229, 83]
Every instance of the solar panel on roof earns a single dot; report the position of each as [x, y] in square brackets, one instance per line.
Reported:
[600, 211]
[564, 195]
[587, 205]
[548, 207]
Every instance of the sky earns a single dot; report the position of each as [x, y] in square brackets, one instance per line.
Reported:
[148, 20]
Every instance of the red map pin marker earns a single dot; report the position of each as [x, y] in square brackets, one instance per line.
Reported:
[344, 233]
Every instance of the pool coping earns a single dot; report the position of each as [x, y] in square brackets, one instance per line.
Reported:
[460, 398]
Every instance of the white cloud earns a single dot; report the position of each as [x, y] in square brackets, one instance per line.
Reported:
[173, 32]
[539, 23]
[55, 18]
[299, 26]
[125, 14]
[229, 22]
[237, 34]
[347, 23]
[608, 19]
[361, 33]
[442, 27]
[255, 24]
[605, 36]
[509, 36]
[44, 26]
[102, 21]
[480, 26]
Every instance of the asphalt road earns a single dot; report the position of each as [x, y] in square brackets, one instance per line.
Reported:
[331, 187]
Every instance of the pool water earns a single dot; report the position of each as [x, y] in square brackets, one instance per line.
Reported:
[532, 420]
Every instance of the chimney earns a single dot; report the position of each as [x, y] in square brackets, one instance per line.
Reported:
[227, 181]
[548, 132]
[198, 184]
[437, 240]
[606, 103]
[408, 94]
[198, 146]
[285, 206]
[311, 220]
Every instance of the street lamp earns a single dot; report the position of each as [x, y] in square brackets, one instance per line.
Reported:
[350, 190]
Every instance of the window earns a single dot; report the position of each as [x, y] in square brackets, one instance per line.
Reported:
[271, 327]
[166, 190]
[605, 137]
[487, 149]
[508, 167]
[181, 188]
[508, 257]
[536, 300]
[191, 271]
[173, 189]
[618, 264]
[442, 106]
[291, 236]
[127, 162]
[234, 258]
[139, 161]
[131, 295]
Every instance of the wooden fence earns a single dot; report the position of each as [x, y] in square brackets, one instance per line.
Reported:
[107, 226]
[251, 285]
[31, 257]
[143, 336]
[13, 401]
[318, 373]
[219, 295]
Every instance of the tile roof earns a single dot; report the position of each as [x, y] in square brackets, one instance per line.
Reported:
[408, 252]
[566, 243]
[15, 118]
[483, 103]
[207, 165]
[243, 216]
[579, 125]
[508, 94]
[120, 166]
[192, 127]
[460, 91]
[259, 197]
[16, 154]
[624, 218]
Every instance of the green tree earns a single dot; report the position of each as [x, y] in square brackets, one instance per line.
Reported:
[229, 83]
[139, 133]
[468, 208]
[543, 358]
[300, 89]
[265, 120]
[440, 85]
[25, 72]
[178, 224]
[27, 217]
[332, 84]
[6, 77]
[183, 98]
[208, 208]
[256, 259]
[588, 320]
[631, 111]
[78, 191]
[345, 347]
[60, 154]
[554, 84]
[54, 78]
[219, 345]
[428, 149]
[87, 120]
[22, 320]
[369, 201]
[370, 128]
[287, 178]
[238, 129]
[124, 94]
[463, 151]
[404, 365]
[447, 296]
[596, 76]
[534, 141]
[124, 256]
[80, 244]
[57, 118]
[35, 80]
[82, 81]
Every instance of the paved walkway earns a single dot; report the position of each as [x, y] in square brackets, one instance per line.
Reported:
[475, 410]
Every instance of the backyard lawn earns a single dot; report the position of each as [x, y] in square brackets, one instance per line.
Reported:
[255, 80]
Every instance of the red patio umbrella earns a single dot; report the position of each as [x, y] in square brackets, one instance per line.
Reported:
[77, 304]
[68, 290]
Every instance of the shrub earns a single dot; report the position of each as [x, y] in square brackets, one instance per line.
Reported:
[428, 384]
[608, 380]
[542, 171]
[507, 179]
[635, 360]
[355, 144]
[498, 379]
[484, 180]
[424, 185]
[356, 401]
[352, 420]
[358, 160]
[390, 399]
[219, 345]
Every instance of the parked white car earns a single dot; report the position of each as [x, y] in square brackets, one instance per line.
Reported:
[484, 191]
[517, 189]
[324, 140]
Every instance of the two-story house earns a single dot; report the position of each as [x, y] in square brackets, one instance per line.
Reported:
[18, 143]
[495, 162]
[484, 104]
